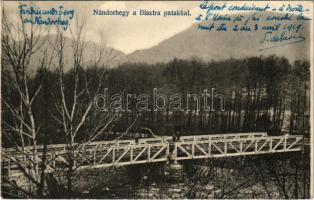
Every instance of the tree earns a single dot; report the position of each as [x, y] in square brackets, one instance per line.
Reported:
[74, 111]
[20, 126]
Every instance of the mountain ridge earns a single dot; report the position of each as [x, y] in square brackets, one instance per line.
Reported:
[208, 46]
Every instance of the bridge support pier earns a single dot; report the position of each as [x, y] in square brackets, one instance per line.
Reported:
[172, 158]
[174, 172]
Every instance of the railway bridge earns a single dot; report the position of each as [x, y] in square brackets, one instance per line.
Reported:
[150, 150]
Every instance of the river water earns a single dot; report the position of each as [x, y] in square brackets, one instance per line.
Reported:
[163, 182]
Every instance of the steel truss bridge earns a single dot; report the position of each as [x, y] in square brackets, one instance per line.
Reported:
[151, 150]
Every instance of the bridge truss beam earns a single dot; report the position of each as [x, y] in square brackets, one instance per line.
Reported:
[151, 150]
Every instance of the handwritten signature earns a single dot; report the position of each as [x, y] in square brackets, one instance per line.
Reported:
[281, 39]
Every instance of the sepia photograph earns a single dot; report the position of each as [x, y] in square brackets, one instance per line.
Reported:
[156, 99]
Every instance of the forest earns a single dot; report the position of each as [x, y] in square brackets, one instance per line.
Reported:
[261, 94]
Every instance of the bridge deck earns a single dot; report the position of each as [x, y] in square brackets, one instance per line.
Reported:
[148, 150]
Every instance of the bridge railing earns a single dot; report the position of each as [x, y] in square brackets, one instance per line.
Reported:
[155, 140]
[204, 137]
[60, 147]
[223, 136]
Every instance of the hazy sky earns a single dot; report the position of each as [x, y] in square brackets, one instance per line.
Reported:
[129, 33]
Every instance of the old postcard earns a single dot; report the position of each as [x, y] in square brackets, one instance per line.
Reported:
[157, 99]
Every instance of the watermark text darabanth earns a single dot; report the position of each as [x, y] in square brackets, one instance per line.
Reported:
[207, 100]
